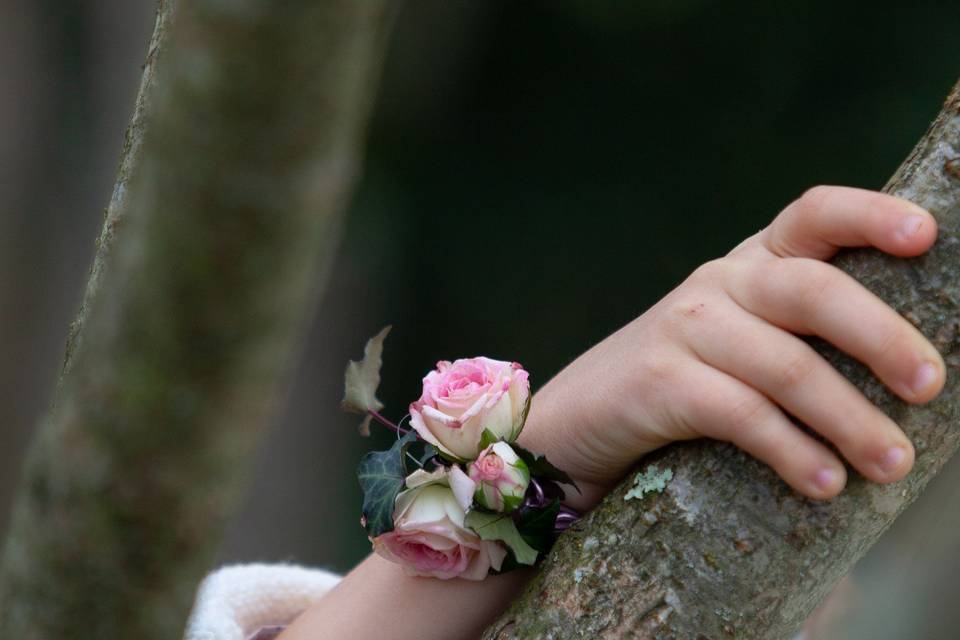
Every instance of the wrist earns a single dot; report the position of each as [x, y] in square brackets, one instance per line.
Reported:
[549, 431]
[404, 603]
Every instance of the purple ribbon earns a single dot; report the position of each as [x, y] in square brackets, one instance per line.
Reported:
[565, 518]
[537, 499]
[267, 633]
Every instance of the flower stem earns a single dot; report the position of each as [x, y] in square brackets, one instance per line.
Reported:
[379, 418]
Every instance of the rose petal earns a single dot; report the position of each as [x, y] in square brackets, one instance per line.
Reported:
[462, 486]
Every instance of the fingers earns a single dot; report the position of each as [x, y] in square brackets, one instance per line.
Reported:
[826, 218]
[824, 301]
[778, 285]
[721, 407]
[791, 373]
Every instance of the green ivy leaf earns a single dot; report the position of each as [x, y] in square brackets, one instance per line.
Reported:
[382, 475]
[540, 467]
[498, 526]
[361, 379]
[537, 525]
[429, 452]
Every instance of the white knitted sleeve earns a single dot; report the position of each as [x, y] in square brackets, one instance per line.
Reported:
[251, 600]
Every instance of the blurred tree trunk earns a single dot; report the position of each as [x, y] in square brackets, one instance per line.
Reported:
[726, 550]
[246, 139]
[67, 73]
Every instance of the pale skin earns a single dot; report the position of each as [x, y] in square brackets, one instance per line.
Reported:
[718, 358]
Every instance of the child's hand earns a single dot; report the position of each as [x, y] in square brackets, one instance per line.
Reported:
[717, 356]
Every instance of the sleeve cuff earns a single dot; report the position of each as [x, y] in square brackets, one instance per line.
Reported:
[254, 601]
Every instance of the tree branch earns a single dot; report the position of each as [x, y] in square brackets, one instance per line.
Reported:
[727, 549]
[245, 141]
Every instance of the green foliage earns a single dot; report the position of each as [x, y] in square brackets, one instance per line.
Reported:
[541, 468]
[499, 526]
[537, 525]
[488, 438]
[510, 503]
[381, 475]
[429, 452]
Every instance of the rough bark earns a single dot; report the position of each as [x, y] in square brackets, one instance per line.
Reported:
[244, 144]
[725, 549]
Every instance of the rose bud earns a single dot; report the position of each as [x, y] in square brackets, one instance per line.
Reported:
[501, 477]
[429, 537]
[461, 399]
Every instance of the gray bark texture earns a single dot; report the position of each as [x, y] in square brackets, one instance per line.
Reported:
[717, 546]
[245, 142]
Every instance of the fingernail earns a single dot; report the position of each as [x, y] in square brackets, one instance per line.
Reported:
[826, 480]
[910, 225]
[892, 459]
[925, 375]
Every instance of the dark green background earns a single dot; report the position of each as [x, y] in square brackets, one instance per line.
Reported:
[549, 171]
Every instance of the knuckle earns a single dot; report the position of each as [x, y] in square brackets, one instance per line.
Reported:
[816, 283]
[757, 279]
[795, 370]
[747, 244]
[814, 199]
[857, 443]
[888, 342]
[658, 372]
[745, 414]
[877, 201]
[710, 271]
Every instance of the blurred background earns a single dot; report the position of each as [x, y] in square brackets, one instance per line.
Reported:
[537, 175]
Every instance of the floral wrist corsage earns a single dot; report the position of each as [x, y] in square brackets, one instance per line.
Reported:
[455, 496]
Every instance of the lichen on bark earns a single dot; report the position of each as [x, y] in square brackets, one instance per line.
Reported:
[245, 142]
[727, 550]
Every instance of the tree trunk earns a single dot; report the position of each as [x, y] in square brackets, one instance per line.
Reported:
[245, 141]
[717, 546]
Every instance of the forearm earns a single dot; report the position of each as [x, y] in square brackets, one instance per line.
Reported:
[377, 596]
[377, 600]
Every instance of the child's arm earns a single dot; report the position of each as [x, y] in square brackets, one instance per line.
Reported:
[715, 358]
[377, 600]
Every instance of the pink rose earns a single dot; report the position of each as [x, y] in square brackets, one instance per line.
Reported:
[429, 537]
[463, 398]
[501, 477]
